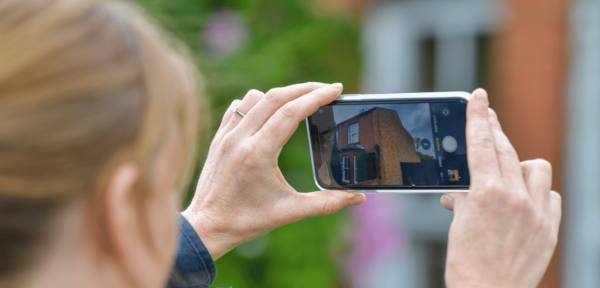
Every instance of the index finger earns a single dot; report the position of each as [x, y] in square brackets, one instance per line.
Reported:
[481, 150]
[271, 102]
[284, 122]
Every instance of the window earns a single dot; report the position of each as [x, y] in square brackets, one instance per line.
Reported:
[346, 169]
[355, 170]
[353, 133]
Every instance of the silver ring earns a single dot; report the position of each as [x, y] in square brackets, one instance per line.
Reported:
[235, 110]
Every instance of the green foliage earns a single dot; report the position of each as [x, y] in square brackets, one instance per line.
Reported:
[424, 156]
[336, 165]
[417, 143]
[288, 43]
[364, 166]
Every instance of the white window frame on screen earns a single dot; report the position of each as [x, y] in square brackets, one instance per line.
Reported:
[355, 170]
[345, 168]
[352, 132]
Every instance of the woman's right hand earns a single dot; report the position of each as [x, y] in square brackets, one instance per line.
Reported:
[505, 230]
[242, 193]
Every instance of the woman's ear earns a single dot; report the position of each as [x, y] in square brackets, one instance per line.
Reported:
[121, 216]
[126, 222]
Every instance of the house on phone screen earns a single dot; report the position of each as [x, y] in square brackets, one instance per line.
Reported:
[374, 148]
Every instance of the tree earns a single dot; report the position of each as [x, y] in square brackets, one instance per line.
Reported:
[417, 143]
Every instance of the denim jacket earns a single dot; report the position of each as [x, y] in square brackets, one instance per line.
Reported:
[194, 267]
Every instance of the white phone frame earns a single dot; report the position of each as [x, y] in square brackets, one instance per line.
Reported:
[397, 96]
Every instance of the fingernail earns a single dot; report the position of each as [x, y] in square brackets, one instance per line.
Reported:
[481, 95]
[336, 85]
[356, 200]
[448, 201]
[492, 113]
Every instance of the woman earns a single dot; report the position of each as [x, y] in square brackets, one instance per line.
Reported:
[97, 131]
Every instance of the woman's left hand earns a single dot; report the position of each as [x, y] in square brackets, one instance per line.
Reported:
[242, 193]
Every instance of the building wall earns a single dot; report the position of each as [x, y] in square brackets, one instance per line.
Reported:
[366, 138]
[365, 132]
[381, 127]
[530, 55]
[396, 146]
[581, 206]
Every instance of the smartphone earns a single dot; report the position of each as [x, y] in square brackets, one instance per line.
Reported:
[391, 143]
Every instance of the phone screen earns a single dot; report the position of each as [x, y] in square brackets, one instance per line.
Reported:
[368, 145]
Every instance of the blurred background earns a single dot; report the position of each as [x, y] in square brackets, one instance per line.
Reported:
[539, 60]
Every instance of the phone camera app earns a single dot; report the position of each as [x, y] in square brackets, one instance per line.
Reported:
[453, 175]
[446, 112]
[449, 143]
[389, 145]
[425, 144]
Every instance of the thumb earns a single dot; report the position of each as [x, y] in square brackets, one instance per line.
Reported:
[452, 200]
[325, 202]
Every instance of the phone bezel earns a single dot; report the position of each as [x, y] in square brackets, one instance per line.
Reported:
[405, 97]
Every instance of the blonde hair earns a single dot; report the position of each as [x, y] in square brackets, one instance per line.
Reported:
[84, 85]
